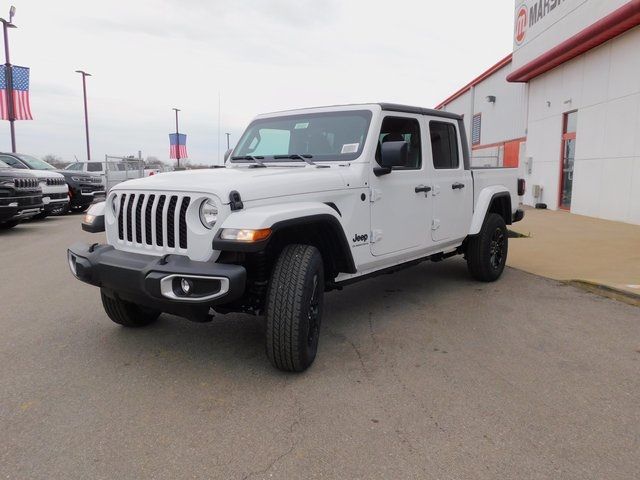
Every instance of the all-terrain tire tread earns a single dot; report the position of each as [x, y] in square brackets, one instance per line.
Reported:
[125, 313]
[284, 304]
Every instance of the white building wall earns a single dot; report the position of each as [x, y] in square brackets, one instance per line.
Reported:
[502, 121]
[506, 119]
[603, 85]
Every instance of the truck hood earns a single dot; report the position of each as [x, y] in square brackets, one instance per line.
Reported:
[46, 174]
[251, 183]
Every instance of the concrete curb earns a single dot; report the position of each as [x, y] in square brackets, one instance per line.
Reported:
[606, 291]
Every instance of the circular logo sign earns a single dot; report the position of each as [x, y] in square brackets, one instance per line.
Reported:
[522, 22]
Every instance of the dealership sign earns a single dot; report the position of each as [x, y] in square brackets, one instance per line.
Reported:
[528, 15]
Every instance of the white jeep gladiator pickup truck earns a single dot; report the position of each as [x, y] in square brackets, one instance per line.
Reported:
[309, 201]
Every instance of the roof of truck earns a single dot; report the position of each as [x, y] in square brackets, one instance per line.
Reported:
[392, 107]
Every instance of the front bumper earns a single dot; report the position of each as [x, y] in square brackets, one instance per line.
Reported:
[10, 213]
[84, 195]
[150, 281]
[56, 205]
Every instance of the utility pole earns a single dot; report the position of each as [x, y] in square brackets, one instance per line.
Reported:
[228, 135]
[86, 112]
[177, 139]
[8, 72]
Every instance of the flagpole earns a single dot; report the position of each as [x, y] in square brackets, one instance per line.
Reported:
[6, 25]
[177, 139]
[86, 111]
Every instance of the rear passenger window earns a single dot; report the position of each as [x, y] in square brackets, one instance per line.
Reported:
[444, 145]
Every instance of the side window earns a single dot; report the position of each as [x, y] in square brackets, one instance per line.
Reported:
[476, 129]
[444, 145]
[94, 167]
[12, 162]
[75, 167]
[397, 129]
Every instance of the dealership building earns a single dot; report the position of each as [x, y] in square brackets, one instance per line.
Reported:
[564, 107]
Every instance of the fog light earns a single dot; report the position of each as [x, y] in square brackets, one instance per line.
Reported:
[72, 263]
[186, 285]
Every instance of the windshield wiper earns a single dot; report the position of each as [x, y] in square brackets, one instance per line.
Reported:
[257, 160]
[296, 156]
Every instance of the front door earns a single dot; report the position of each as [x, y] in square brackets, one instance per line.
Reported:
[452, 183]
[568, 158]
[400, 203]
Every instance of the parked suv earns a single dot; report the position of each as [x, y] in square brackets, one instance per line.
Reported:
[20, 196]
[310, 201]
[55, 193]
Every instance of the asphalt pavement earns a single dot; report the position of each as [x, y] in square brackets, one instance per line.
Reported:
[421, 374]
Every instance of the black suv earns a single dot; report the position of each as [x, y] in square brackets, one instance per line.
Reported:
[83, 189]
[20, 196]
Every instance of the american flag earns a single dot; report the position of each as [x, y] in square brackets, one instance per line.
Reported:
[21, 107]
[178, 142]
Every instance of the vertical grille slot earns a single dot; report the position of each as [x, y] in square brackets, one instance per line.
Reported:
[139, 219]
[147, 220]
[183, 221]
[132, 199]
[121, 213]
[159, 210]
[171, 226]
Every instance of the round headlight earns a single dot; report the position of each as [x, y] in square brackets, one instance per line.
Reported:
[208, 213]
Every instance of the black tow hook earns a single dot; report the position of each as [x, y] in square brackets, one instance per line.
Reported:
[164, 259]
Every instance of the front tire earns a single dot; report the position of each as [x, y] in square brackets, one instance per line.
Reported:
[487, 251]
[127, 314]
[9, 224]
[294, 308]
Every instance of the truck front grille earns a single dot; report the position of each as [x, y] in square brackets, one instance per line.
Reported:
[153, 220]
[25, 183]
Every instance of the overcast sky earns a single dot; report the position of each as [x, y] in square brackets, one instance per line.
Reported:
[147, 56]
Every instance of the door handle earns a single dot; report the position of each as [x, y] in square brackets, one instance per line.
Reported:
[423, 188]
[457, 186]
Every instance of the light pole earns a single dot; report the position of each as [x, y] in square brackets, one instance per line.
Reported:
[177, 139]
[228, 136]
[86, 112]
[8, 72]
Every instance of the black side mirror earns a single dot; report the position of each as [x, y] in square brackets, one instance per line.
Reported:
[392, 154]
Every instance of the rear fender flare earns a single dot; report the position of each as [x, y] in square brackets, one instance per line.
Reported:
[485, 199]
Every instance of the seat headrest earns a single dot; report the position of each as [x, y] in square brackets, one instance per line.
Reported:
[393, 137]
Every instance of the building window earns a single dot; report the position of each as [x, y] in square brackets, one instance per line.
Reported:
[444, 145]
[476, 129]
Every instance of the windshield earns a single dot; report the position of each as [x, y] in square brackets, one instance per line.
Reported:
[325, 136]
[35, 163]
[3, 165]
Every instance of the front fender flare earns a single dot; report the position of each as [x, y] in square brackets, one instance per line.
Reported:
[487, 195]
[277, 217]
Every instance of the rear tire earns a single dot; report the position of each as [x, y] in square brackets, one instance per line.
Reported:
[127, 314]
[294, 308]
[487, 251]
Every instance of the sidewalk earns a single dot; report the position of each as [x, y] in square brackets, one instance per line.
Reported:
[564, 246]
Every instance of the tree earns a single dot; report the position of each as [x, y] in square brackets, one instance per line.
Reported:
[55, 160]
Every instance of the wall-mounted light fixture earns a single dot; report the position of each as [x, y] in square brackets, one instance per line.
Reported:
[548, 104]
[569, 101]
[491, 99]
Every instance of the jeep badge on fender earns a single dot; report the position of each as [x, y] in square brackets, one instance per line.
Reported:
[266, 234]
